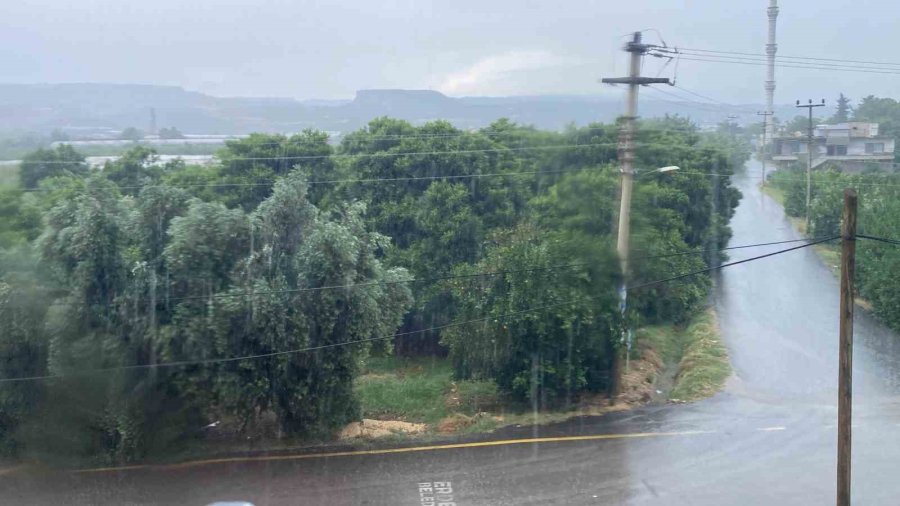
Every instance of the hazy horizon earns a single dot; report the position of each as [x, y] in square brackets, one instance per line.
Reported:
[306, 50]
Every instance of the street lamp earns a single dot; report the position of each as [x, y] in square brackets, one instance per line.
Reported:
[669, 168]
[622, 244]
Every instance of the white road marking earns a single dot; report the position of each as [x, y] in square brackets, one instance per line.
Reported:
[771, 429]
[439, 493]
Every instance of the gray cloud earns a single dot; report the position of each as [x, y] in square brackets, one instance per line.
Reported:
[329, 49]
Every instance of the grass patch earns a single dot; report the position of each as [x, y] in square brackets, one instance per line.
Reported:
[411, 390]
[422, 390]
[665, 340]
[697, 360]
[704, 365]
[478, 396]
[775, 193]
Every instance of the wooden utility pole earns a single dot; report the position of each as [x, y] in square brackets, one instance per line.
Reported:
[845, 364]
[809, 148]
[637, 51]
[765, 115]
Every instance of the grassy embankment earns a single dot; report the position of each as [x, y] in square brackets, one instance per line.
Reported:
[696, 357]
[669, 363]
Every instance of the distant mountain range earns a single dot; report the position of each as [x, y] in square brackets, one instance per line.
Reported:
[96, 107]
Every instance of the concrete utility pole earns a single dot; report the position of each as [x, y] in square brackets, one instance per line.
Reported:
[626, 157]
[845, 360]
[762, 149]
[809, 155]
[771, 49]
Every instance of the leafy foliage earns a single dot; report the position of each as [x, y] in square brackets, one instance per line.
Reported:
[45, 163]
[170, 133]
[878, 264]
[843, 110]
[309, 258]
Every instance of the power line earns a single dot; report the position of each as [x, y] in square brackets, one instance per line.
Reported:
[684, 101]
[182, 363]
[796, 63]
[788, 57]
[716, 250]
[287, 144]
[367, 137]
[725, 104]
[391, 336]
[722, 107]
[815, 64]
[895, 242]
[385, 154]
[781, 65]
[833, 183]
[445, 278]
[389, 154]
[710, 269]
[270, 182]
[374, 283]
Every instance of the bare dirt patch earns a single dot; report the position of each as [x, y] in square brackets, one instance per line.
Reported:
[374, 429]
[639, 383]
[455, 423]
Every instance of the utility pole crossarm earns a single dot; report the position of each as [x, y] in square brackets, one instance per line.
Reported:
[636, 80]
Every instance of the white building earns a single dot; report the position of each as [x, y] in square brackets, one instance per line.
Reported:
[851, 146]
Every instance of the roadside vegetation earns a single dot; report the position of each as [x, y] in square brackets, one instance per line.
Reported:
[703, 367]
[694, 360]
[342, 274]
[677, 363]
[879, 215]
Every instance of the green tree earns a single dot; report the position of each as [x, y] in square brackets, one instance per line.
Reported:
[131, 134]
[544, 336]
[44, 163]
[84, 244]
[252, 165]
[434, 224]
[58, 135]
[294, 247]
[23, 346]
[843, 111]
[801, 124]
[137, 167]
[170, 133]
[21, 221]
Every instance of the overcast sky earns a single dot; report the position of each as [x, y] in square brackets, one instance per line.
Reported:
[331, 48]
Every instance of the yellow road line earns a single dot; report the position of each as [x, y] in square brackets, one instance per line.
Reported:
[479, 444]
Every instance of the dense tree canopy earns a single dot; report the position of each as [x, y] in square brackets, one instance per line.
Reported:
[162, 297]
[45, 163]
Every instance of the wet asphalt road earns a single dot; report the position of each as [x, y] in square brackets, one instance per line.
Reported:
[769, 438]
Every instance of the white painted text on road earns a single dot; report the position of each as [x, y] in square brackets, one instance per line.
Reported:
[438, 493]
